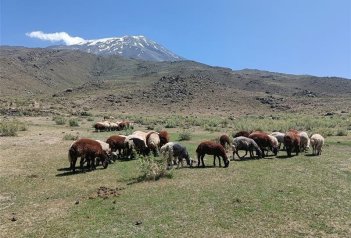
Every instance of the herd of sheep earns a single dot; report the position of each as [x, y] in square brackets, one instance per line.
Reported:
[257, 143]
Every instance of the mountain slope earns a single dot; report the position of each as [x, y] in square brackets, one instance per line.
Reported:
[136, 47]
[76, 80]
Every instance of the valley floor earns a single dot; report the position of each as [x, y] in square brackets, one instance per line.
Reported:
[272, 197]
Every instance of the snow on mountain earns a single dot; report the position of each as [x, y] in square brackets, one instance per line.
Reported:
[136, 47]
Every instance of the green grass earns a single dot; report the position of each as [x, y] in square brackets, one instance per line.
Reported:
[277, 196]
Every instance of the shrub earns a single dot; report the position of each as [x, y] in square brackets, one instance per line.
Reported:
[70, 137]
[59, 120]
[73, 122]
[341, 133]
[184, 135]
[90, 119]
[11, 127]
[152, 168]
[86, 114]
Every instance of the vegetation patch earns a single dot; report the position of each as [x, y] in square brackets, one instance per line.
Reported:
[11, 127]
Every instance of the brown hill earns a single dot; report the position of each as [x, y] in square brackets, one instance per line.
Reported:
[71, 80]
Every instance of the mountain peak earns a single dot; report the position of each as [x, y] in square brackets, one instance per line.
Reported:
[137, 47]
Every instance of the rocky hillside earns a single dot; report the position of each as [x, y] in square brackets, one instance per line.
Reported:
[73, 80]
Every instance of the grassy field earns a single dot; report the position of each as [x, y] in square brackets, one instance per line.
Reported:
[302, 196]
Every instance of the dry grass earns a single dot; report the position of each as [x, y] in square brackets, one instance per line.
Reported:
[297, 197]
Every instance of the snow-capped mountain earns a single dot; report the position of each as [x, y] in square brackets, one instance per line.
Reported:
[137, 47]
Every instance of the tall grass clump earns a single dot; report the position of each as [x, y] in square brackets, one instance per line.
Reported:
[341, 132]
[73, 122]
[184, 135]
[59, 120]
[152, 168]
[70, 137]
[11, 127]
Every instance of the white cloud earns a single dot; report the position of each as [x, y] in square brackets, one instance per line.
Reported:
[57, 36]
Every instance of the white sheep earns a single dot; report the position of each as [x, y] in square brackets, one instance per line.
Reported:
[279, 136]
[304, 141]
[317, 142]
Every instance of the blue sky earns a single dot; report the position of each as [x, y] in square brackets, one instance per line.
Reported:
[288, 36]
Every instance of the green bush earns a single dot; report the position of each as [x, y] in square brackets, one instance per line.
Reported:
[86, 114]
[184, 135]
[59, 120]
[11, 127]
[70, 137]
[73, 122]
[341, 132]
[152, 168]
[90, 119]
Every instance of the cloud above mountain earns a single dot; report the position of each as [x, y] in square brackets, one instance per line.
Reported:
[56, 37]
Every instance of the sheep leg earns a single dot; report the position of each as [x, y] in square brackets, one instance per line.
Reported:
[219, 159]
[214, 161]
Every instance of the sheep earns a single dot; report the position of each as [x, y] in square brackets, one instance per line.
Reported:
[223, 140]
[304, 141]
[138, 143]
[113, 126]
[174, 153]
[164, 137]
[317, 142]
[292, 142]
[105, 147]
[275, 143]
[279, 136]
[247, 144]
[124, 125]
[153, 142]
[264, 141]
[180, 152]
[211, 148]
[167, 153]
[88, 150]
[102, 126]
[116, 143]
[242, 133]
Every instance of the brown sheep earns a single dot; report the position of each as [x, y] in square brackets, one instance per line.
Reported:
[242, 133]
[211, 148]
[224, 140]
[292, 142]
[88, 150]
[116, 143]
[264, 141]
[164, 137]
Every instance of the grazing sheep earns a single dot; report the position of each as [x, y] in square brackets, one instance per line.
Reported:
[292, 142]
[242, 133]
[264, 141]
[113, 126]
[304, 141]
[167, 153]
[224, 140]
[116, 143]
[211, 148]
[102, 126]
[87, 150]
[164, 137]
[138, 143]
[174, 153]
[153, 142]
[275, 143]
[124, 125]
[247, 144]
[105, 147]
[180, 152]
[279, 136]
[317, 142]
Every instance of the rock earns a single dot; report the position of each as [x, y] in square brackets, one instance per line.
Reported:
[77, 202]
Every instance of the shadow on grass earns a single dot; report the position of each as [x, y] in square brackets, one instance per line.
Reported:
[68, 173]
[311, 155]
[285, 156]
